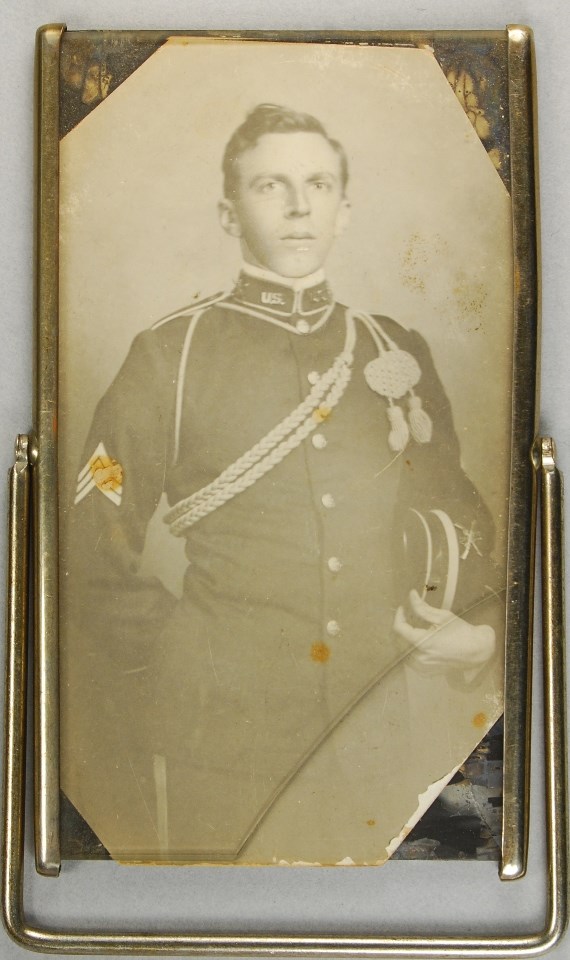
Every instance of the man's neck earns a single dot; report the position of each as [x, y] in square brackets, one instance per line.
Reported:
[295, 283]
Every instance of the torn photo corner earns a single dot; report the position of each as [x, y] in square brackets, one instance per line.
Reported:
[286, 347]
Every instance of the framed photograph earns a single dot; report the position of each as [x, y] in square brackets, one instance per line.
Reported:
[284, 450]
[285, 366]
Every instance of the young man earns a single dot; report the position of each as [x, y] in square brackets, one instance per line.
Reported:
[301, 448]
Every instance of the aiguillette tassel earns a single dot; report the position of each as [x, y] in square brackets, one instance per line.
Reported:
[400, 432]
[421, 425]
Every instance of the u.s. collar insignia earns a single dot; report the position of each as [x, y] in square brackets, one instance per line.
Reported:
[469, 538]
[103, 473]
[272, 297]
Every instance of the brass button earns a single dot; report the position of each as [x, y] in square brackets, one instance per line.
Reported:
[334, 564]
[328, 501]
[319, 442]
[333, 628]
[302, 326]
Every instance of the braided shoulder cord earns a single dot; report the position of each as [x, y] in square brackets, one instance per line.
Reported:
[222, 493]
[265, 445]
[271, 450]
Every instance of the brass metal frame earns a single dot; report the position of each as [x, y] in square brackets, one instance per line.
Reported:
[524, 426]
[36, 459]
[45, 479]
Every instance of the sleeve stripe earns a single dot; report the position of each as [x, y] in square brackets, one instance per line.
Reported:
[87, 479]
[83, 493]
[98, 452]
[113, 495]
[85, 472]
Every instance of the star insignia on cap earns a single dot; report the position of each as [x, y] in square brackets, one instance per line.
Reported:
[469, 538]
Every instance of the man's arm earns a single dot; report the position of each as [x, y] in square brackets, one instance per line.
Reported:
[466, 636]
[118, 487]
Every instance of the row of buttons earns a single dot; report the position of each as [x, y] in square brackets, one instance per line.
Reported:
[319, 442]
[335, 565]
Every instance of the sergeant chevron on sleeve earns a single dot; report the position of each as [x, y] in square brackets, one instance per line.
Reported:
[309, 458]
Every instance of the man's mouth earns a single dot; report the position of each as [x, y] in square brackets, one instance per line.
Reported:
[299, 241]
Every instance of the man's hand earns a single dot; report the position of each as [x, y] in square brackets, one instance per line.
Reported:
[447, 642]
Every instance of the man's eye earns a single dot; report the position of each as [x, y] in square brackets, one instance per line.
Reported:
[321, 185]
[268, 186]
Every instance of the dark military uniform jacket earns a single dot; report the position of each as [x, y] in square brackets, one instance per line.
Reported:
[214, 701]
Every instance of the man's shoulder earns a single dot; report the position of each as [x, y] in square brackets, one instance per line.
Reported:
[407, 338]
[167, 335]
[396, 330]
[179, 319]
[402, 336]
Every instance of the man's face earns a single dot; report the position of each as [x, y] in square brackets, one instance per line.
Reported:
[289, 203]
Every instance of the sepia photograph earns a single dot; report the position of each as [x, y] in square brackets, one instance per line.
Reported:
[285, 342]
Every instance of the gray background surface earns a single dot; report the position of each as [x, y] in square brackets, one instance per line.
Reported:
[427, 896]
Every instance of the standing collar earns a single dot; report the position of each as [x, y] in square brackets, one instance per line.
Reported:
[282, 296]
[295, 283]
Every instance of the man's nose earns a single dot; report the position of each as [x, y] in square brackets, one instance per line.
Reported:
[297, 201]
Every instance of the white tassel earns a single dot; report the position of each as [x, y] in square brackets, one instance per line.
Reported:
[421, 425]
[400, 432]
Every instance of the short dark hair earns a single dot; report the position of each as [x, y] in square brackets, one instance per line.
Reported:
[272, 118]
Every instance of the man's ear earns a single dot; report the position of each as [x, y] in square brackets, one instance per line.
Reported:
[229, 218]
[342, 217]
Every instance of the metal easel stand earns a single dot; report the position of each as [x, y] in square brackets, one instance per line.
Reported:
[66, 942]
